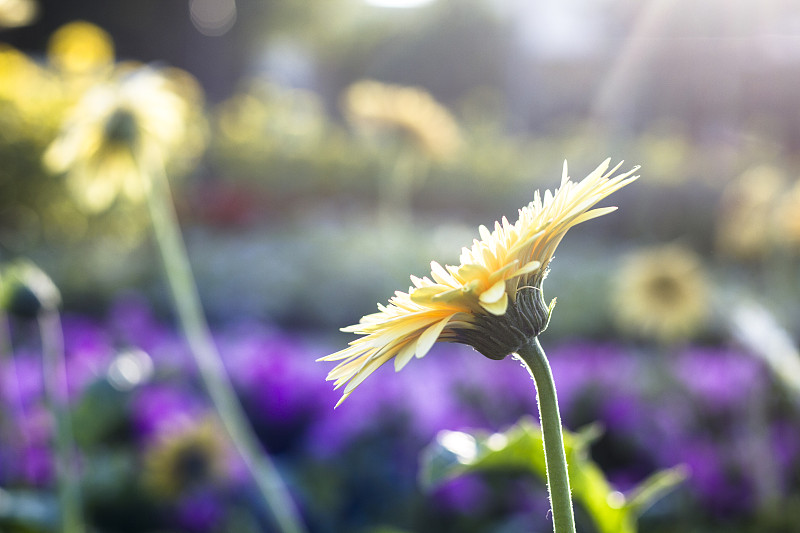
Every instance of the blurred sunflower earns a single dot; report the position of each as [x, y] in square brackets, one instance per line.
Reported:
[492, 301]
[744, 227]
[407, 113]
[188, 456]
[122, 129]
[662, 292]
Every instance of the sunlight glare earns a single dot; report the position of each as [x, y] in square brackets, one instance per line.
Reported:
[400, 4]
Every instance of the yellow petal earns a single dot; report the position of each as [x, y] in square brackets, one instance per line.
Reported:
[500, 274]
[497, 308]
[448, 296]
[424, 295]
[405, 355]
[430, 336]
[440, 275]
[594, 213]
[528, 268]
[472, 272]
[364, 373]
[494, 293]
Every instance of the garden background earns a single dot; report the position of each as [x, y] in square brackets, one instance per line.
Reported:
[332, 148]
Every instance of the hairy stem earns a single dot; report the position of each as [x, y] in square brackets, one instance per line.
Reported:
[535, 360]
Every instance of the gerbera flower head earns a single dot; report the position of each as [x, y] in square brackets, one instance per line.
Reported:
[188, 456]
[411, 113]
[662, 292]
[787, 218]
[120, 129]
[492, 300]
[748, 203]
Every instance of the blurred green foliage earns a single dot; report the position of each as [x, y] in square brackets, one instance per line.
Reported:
[521, 448]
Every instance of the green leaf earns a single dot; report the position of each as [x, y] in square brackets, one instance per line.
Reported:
[521, 448]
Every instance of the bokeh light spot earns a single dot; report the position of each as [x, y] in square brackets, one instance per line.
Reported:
[402, 4]
[130, 369]
[213, 17]
[462, 445]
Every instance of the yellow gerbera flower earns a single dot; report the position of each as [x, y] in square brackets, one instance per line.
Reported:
[744, 225]
[189, 455]
[493, 300]
[662, 292]
[380, 108]
[119, 129]
[787, 217]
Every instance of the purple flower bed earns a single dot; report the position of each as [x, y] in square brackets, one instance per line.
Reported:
[714, 409]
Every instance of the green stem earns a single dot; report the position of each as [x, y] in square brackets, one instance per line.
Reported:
[7, 357]
[55, 384]
[535, 361]
[209, 362]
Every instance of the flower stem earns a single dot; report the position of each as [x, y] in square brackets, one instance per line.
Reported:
[535, 360]
[209, 362]
[55, 384]
[7, 357]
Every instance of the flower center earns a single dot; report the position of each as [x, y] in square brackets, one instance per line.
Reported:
[121, 128]
[192, 465]
[665, 288]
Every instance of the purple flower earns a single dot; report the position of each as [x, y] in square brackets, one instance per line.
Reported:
[36, 465]
[785, 443]
[720, 486]
[580, 366]
[720, 379]
[464, 494]
[200, 511]
[22, 383]
[88, 351]
[623, 411]
[133, 324]
[158, 407]
[132, 321]
[277, 374]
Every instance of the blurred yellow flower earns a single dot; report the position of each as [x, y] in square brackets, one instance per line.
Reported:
[124, 128]
[29, 96]
[378, 109]
[80, 48]
[264, 117]
[787, 217]
[14, 13]
[744, 226]
[663, 293]
[493, 300]
[187, 456]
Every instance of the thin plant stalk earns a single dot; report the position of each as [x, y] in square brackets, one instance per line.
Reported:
[212, 370]
[55, 384]
[401, 176]
[7, 355]
[6, 351]
[535, 360]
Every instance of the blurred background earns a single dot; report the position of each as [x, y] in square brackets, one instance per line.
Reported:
[319, 152]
